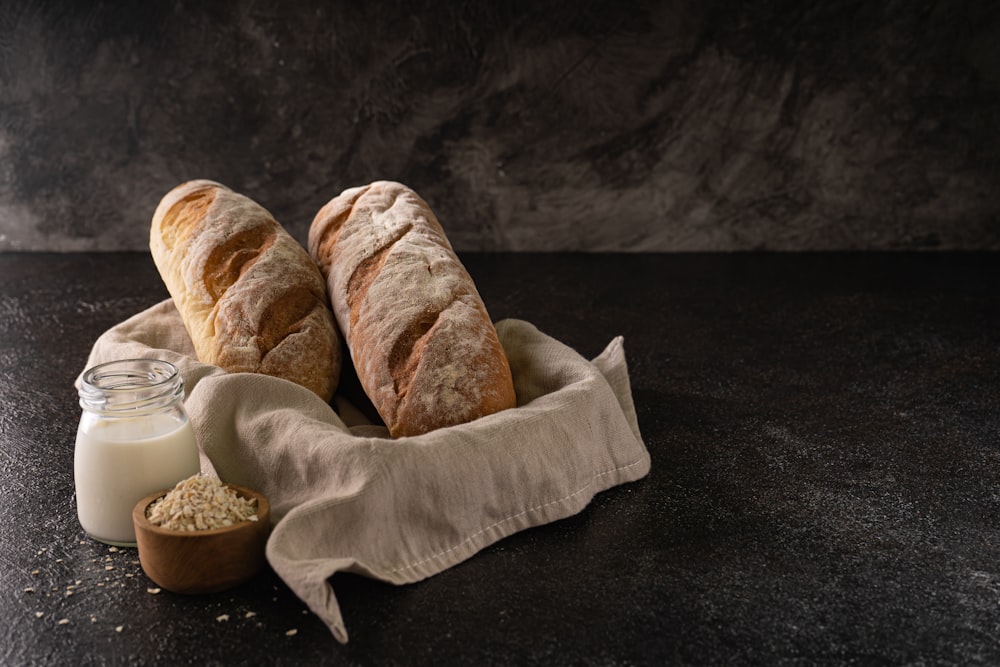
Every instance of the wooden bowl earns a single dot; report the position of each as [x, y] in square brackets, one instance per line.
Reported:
[202, 561]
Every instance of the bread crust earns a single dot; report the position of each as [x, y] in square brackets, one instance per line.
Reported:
[249, 294]
[423, 345]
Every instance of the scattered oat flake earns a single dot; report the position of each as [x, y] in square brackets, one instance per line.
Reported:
[153, 591]
[109, 567]
[222, 617]
[119, 628]
[292, 633]
[63, 621]
[35, 573]
[39, 614]
[250, 614]
[113, 549]
[29, 589]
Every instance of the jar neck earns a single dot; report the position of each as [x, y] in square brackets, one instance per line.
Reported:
[131, 387]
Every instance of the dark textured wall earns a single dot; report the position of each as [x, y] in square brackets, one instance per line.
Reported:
[566, 125]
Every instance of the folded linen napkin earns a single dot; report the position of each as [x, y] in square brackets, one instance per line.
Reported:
[346, 497]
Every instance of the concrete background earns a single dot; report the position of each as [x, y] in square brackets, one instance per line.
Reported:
[538, 125]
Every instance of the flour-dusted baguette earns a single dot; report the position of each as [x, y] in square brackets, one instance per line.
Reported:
[249, 294]
[422, 343]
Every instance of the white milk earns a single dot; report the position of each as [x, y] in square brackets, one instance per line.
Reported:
[119, 461]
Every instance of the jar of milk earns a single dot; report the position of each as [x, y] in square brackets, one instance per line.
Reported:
[134, 439]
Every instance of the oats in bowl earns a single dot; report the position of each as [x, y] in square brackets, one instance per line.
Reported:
[202, 536]
[201, 502]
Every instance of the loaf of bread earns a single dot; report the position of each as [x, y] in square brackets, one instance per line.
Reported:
[249, 294]
[423, 346]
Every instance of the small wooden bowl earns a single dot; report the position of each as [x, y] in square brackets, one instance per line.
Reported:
[202, 561]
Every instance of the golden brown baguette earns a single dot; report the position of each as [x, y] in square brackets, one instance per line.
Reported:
[249, 294]
[423, 345]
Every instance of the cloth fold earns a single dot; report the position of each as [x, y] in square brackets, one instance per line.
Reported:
[347, 498]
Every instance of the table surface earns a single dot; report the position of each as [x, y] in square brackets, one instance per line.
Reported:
[825, 484]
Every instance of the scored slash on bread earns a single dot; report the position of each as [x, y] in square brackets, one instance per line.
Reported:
[250, 296]
[423, 345]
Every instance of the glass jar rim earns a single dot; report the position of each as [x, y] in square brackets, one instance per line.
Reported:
[130, 386]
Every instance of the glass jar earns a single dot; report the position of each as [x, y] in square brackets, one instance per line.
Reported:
[134, 438]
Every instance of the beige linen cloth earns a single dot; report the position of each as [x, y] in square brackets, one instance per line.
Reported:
[347, 498]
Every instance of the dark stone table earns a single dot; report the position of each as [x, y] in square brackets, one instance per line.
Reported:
[825, 485]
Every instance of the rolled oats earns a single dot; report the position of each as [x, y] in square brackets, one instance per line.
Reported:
[201, 502]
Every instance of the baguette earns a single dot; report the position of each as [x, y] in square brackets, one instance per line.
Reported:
[423, 345]
[249, 294]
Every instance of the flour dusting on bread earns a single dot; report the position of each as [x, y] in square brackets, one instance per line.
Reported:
[250, 296]
[419, 335]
